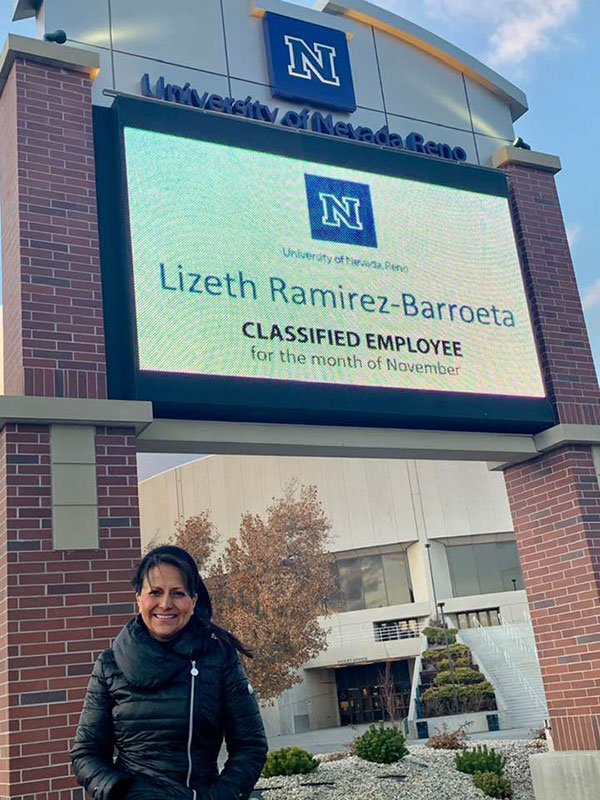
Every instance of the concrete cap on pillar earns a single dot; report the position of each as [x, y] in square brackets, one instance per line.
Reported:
[528, 158]
[46, 53]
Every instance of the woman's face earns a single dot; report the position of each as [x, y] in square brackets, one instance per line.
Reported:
[164, 602]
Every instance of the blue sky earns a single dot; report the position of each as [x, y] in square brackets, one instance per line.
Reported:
[549, 48]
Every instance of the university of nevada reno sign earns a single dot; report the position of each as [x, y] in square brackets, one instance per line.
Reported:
[309, 63]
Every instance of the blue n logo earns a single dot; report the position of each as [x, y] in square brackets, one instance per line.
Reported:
[309, 63]
[340, 211]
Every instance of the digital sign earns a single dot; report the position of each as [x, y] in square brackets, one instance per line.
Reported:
[277, 276]
[263, 266]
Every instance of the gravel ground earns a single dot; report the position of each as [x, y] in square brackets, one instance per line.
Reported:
[424, 774]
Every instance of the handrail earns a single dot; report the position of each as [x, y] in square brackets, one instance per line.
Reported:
[350, 633]
[538, 699]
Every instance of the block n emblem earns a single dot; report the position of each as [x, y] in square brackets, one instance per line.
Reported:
[340, 211]
[309, 63]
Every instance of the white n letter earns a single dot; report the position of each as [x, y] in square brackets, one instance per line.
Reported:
[338, 212]
[306, 61]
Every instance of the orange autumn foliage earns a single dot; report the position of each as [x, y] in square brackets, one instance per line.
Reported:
[270, 584]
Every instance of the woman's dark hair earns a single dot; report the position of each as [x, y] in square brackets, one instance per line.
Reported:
[185, 563]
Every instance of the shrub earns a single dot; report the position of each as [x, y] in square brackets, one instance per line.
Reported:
[480, 760]
[440, 635]
[440, 700]
[456, 651]
[461, 675]
[289, 761]
[381, 744]
[444, 663]
[449, 740]
[539, 734]
[493, 785]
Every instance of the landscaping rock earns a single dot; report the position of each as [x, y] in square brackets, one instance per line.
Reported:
[424, 774]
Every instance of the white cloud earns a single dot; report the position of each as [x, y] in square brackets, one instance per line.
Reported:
[591, 296]
[514, 29]
[533, 28]
[574, 234]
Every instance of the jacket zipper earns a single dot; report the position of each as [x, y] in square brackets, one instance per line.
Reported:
[193, 673]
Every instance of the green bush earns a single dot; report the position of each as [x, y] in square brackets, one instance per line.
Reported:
[480, 759]
[441, 653]
[381, 743]
[289, 761]
[440, 635]
[440, 700]
[461, 675]
[444, 663]
[493, 785]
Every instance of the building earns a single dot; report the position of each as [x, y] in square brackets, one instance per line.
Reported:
[133, 252]
[383, 514]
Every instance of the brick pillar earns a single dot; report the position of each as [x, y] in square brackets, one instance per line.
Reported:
[59, 607]
[555, 498]
[53, 327]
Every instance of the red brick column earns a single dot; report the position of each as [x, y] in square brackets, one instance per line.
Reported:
[559, 325]
[555, 499]
[59, 607]
[54, 335]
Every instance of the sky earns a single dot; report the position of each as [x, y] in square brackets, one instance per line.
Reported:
[549, 49]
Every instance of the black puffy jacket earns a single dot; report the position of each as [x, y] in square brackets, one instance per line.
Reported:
[162, 711]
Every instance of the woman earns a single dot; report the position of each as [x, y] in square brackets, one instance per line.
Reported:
[161, 700]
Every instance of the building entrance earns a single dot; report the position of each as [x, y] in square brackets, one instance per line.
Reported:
[360, 691]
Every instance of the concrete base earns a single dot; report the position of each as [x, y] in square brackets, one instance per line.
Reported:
[477, 723]
[575, 775]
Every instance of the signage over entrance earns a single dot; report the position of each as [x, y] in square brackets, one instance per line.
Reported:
[308, 62]
[292, 278]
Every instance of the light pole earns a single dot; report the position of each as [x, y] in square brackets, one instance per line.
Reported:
[449, 656]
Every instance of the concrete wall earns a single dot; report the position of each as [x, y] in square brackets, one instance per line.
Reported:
[369, 502]
[218, 46]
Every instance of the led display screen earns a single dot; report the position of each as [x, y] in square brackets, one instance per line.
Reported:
[257, 265]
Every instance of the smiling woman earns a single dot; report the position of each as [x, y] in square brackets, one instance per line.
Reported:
[166, 694]
[164, 602]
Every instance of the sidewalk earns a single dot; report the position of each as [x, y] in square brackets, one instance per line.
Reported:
[330, 740]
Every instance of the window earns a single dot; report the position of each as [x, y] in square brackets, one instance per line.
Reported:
[393, 629]
[484, 568]
[486, 618]
[373, 581]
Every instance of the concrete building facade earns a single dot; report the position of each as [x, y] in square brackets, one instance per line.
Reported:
[383, 514]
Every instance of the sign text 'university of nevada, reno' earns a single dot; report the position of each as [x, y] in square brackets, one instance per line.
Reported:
[311, 64]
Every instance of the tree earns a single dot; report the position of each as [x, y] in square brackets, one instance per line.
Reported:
[270, 584]
[390, 699]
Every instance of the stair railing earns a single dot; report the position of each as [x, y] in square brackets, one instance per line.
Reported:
[538, 699]
[511, 630]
